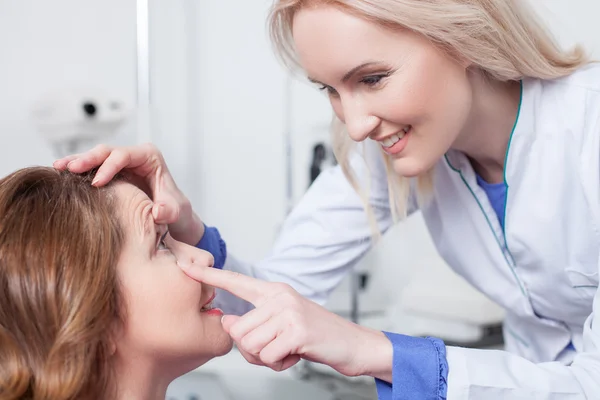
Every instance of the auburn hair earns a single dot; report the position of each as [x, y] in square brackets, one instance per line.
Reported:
[60, 240]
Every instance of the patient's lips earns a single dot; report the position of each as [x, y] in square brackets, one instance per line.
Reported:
[217, 312]
[208, 309]
[208, 305]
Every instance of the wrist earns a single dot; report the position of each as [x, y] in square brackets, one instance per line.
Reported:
[196, 230]
[377, 356]
[191, 232]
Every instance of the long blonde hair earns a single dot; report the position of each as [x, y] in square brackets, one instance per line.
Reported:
[503, 38]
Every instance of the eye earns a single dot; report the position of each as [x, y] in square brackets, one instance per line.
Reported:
[161, 245]
[373, 80]
[330, 91]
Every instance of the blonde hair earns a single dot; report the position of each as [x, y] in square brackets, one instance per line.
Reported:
[503, 38]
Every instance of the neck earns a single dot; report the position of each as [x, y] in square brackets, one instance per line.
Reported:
[485, 137]
[140, 378]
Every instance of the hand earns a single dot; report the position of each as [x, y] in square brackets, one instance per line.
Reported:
[285, 327]
[171, 206]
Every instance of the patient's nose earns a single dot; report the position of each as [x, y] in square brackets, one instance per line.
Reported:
[197, 257]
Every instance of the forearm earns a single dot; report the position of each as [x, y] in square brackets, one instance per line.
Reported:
[196, 231]
[191, 232]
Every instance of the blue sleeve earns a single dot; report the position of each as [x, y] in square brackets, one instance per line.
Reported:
[419, 371]
[213, 243]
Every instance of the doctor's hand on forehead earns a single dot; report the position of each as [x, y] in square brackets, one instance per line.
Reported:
[285, 327]
[171, 206]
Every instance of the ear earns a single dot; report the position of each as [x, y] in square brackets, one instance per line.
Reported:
[113, 336]
[112, 347]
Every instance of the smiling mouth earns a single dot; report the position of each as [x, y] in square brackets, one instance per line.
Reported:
[395, 138]
[208, 305]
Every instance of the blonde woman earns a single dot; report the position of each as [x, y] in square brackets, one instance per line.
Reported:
[479, 120]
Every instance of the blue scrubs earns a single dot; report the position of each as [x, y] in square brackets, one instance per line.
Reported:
[496, 192]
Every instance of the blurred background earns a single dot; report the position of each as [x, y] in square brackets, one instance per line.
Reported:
[243, 140]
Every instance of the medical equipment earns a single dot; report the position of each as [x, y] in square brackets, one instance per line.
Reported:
[71, 118]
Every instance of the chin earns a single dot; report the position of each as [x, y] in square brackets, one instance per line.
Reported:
[218, 345]
[410, 167]
[224, 346]
[195, 358]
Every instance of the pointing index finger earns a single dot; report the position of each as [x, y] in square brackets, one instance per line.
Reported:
[242, 286]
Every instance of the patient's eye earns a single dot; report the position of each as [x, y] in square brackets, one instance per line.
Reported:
[161, 242]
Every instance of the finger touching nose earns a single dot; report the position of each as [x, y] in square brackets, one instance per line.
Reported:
[242, 286]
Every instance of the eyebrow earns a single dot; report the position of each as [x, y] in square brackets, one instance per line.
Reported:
[350, 73]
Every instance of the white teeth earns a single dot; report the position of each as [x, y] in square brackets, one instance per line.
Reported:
[390, 141]
[207, 307]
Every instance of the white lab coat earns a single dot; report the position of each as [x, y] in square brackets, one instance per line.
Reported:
[543, 270]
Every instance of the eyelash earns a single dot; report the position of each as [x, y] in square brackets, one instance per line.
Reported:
[161, 241]
[331, 91]
[371, 81]
[374, 79]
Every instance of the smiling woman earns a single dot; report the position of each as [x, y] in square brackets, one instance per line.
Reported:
[92, 303]
[407, 74]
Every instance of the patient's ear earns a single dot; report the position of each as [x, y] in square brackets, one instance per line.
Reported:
[112, 347]
[113, 338]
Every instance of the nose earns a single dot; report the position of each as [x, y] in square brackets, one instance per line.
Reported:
[193, 255]
[360, 123]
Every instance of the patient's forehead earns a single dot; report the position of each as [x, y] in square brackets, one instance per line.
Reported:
[134, 206]
[129, 194]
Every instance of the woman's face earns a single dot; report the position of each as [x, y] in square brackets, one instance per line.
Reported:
[163, 317]
[391, 86]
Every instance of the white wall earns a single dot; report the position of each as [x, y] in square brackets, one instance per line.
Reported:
[47, 44]
[572, 21]
[240, 123]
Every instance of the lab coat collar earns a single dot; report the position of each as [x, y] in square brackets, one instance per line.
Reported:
[520, 139]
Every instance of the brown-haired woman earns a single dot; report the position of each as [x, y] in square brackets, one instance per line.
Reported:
[92, 303]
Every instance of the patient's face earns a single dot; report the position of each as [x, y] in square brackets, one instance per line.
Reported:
[163, 321]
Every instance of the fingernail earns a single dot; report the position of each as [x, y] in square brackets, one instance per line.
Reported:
[222, 318]
[95, 181]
